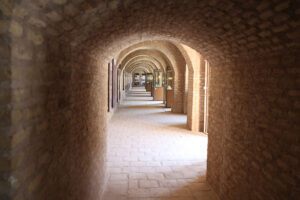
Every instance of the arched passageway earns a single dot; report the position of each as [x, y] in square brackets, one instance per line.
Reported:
[180, 59]
[54, 90]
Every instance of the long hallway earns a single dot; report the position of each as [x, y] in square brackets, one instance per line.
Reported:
[231, 66]
[151, 155]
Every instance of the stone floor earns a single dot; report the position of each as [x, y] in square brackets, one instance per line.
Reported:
[151, 155]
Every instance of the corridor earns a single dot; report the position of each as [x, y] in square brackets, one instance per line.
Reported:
[74, 127]
[151, 154]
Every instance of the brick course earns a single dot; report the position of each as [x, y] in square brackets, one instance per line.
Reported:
[54, 81]
[252, 155]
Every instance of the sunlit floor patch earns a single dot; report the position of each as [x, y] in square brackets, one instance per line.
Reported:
[151, 154]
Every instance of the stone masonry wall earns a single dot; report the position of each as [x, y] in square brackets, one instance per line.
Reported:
[5, 108]
[53, 110]
[57, 120]
[58, 144]
[253, 150]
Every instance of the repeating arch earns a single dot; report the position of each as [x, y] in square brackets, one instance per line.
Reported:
[55, 54]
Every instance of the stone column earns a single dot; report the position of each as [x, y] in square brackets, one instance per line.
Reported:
[201, 94]
[193, 112]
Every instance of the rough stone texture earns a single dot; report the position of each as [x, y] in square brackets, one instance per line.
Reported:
[56, 151]
[53, 90]
[51, 145]
[259, 147]
[5, 98]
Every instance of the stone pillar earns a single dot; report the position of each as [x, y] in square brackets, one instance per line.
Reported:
[193, 112]
[201, 94]
[178, 89]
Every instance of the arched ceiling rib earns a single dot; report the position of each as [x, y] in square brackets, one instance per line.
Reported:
[217, 30]
[164, 51]
[157, 65]
[145, 69]
[145, 51]
[150, 69]
[149, 63]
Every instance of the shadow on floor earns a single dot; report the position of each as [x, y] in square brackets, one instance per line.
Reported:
[168, 112]
[192, 191]
[179, 126]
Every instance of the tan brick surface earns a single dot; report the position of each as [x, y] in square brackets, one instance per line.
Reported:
[150, 149]
[53, 70]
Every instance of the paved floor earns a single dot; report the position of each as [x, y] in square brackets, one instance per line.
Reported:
[151, 155]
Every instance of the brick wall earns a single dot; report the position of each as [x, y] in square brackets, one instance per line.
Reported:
[5, 108]
[194, 64]
[186, 84]
[53, 114]
[253, 150]
[59, 115]
[54, 90]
